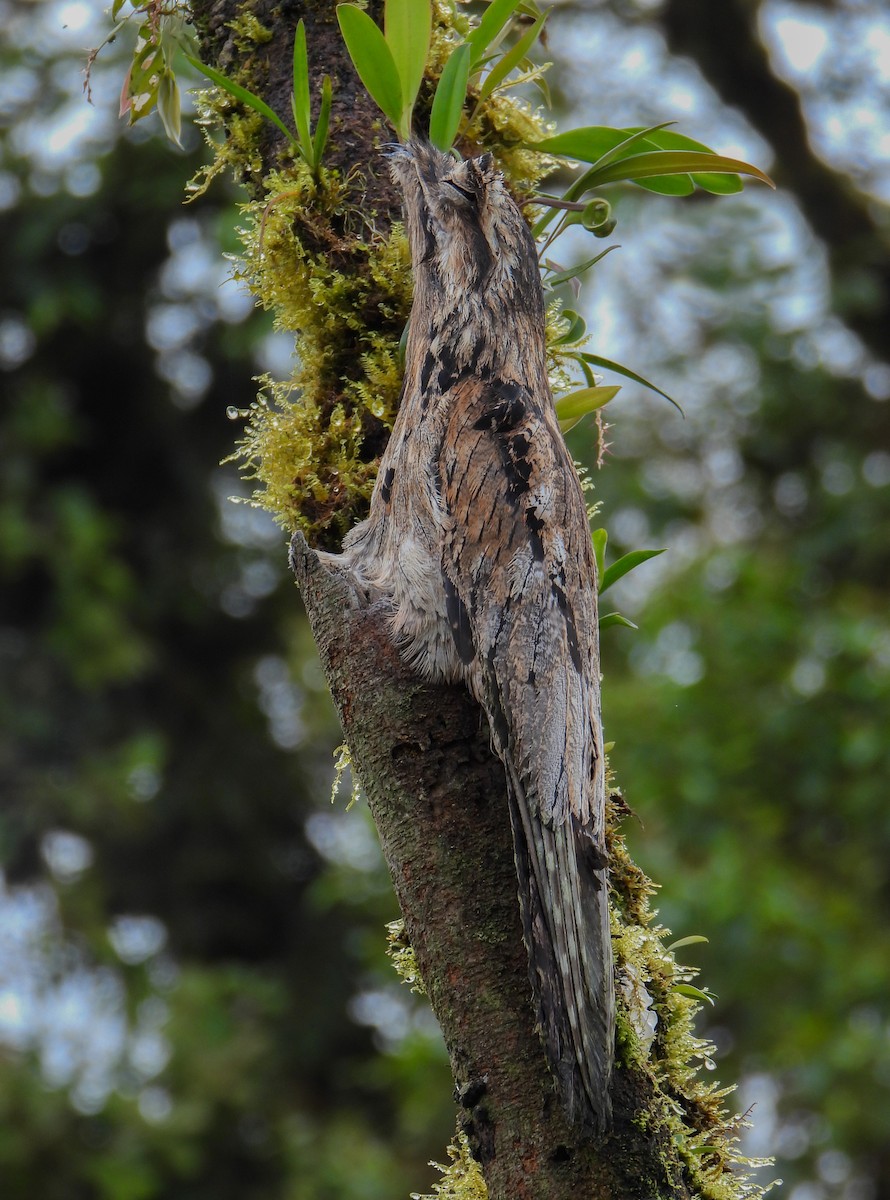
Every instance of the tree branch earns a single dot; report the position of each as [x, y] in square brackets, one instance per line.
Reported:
[437, 795]
[436, 791]
[727, 47]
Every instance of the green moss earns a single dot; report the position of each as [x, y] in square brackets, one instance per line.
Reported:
[401, 952]
[249, 31]
[705, 1133]
[342, 762]
[312, 441]
[461, 1178]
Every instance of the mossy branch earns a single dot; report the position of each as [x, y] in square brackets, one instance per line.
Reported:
[327, 255]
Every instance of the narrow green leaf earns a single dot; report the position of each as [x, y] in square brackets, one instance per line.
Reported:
[615, 618]
[540, 82]
[598, 144]
[144, 76]
[600, 538]
[671, 162]
[116, 7]
[403, 344]
[242, 94]
[324, 117]
[606, 363]
[169, 107]
[373, 61]
[686, 989]
[572, 408]
[669, 139]
[302, 107]
[510, 60]
[573, 272]
[687, 941]
[718, 185]
[626, 563]
[408, 25]
[586, 369]
[668, 185]
[493, 21]
[448, 102]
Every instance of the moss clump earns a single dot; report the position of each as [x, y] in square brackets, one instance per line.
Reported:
[401, 952]
[313, 440]
[461, 1178]
[249, 31]
[656, 1033]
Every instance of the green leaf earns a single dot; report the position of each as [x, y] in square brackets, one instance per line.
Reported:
[373, 61]
[116, 7]
[403, 344]
[626, 563]
[493, 21]
[242, 94]
[302, 107]
[143, 80]
[169, 107]
[576, 330]
[686, 989]
[718, 185]
[324, 118]
[571, 408]
[598, 144]
[510, 60]
[449, 99]
[668, 185]
[651, 164]
[408, 24]
[600, 538]
[669, 139]
[615, 618]
[573, 272]
[687, 941]
[608, 365]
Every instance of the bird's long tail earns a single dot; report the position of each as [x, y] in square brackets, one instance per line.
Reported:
[563, 898]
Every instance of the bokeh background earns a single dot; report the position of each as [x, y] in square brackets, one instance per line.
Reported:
[194, 1000]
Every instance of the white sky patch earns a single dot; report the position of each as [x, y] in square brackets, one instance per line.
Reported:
[800, 42]
[878, 40]
[75, 17]
[680, 98]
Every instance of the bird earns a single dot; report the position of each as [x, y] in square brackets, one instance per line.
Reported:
[478, 540]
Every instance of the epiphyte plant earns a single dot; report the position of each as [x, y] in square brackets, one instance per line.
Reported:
[308, 145]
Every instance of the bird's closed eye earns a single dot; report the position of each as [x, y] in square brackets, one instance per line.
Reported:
[469, 196]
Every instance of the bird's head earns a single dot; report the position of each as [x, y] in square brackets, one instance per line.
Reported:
[468, 236]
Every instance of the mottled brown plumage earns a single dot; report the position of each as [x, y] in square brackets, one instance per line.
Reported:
[478, 536]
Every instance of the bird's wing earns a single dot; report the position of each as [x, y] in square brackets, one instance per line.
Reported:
[521, 599]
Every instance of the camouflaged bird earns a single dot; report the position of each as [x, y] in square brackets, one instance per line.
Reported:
[478, 534]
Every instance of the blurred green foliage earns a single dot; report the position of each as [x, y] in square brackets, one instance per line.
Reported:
[194, 998]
